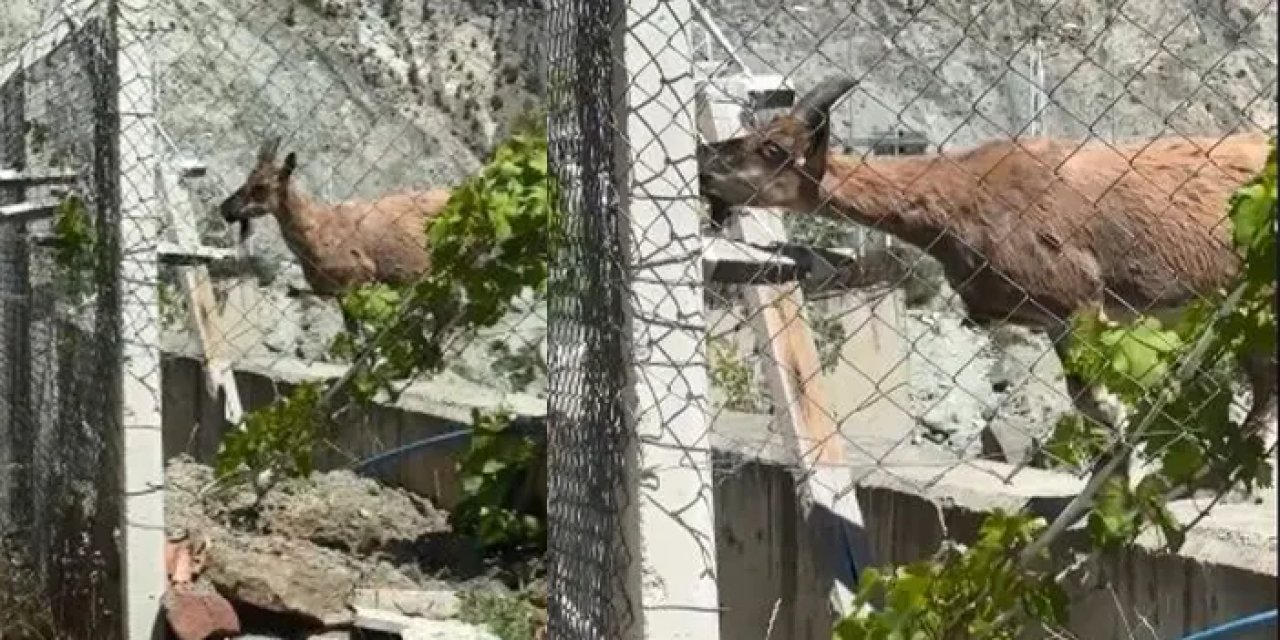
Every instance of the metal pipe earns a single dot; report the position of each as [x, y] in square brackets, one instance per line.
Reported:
[523, 425]
[1255, 621]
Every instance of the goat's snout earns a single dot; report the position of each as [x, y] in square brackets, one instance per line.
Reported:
[232, 211]
[230, 208]
[708, 167]
[716, 172]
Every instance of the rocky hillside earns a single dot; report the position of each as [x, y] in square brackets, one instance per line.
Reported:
[958, 71]
[372, 95]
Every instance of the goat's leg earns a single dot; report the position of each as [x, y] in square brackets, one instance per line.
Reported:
[1260, 373]
[1260, 370]
[349, 322]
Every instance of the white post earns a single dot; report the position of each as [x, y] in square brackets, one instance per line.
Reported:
[142, 523]
[669, 526]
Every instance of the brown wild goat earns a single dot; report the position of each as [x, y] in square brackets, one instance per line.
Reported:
[1027, 232]
[343, 245]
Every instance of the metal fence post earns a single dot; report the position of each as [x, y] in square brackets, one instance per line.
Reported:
[143, 451]
[15, 376]
[672, 579]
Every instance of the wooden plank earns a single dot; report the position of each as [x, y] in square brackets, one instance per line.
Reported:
[24, 212]
[190, 168]
[171, 253]
[187, 255]
[729, 261]
[777, 313]
[796, 383]
[203, 303]
[21, 179]
[803, 410]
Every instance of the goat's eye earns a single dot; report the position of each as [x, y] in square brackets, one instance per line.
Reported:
[774, 152]
[258, 192]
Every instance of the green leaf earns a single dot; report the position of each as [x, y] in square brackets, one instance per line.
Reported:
[1181, 461]
[1251, 218]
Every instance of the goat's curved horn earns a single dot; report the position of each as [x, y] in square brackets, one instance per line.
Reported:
[267, 151]
[814, 107]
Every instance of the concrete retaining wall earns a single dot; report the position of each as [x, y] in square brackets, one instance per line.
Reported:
[193, 422]
[1226, 569]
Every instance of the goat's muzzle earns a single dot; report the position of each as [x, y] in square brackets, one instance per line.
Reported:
[718, 212]
[232, 210]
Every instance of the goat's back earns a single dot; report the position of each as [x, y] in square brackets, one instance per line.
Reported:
[1147, 220]
[392, 232]
[1160, 229]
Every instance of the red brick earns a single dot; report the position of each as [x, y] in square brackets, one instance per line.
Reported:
[197, 614]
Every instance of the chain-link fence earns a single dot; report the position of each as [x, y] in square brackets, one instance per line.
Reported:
[587, 432]
[62, 353]
[189, 301]
[760, 332]
[874, 324]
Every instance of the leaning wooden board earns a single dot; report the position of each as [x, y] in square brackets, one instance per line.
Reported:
[203, 303]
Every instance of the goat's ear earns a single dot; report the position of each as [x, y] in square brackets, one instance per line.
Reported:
[267, 152]
[290, 164]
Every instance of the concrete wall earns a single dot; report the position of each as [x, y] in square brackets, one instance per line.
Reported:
[1226, 570]
[910, 499]
[193, 422]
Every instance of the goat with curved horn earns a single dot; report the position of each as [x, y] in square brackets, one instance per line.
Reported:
[1027, 231]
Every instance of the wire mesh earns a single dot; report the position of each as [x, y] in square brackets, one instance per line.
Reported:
[379, 103]
[588, 434]
[385, 107]
[959, 74]
[62, 333]
[1001, 166]
[892, 356]
[415, 105]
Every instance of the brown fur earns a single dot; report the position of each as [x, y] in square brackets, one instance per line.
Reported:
[1028, 232]
[343, 245]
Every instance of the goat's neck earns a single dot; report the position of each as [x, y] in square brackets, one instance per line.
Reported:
[910, 198]
[299, 216]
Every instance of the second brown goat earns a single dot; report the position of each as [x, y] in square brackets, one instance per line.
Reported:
[343, 245]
